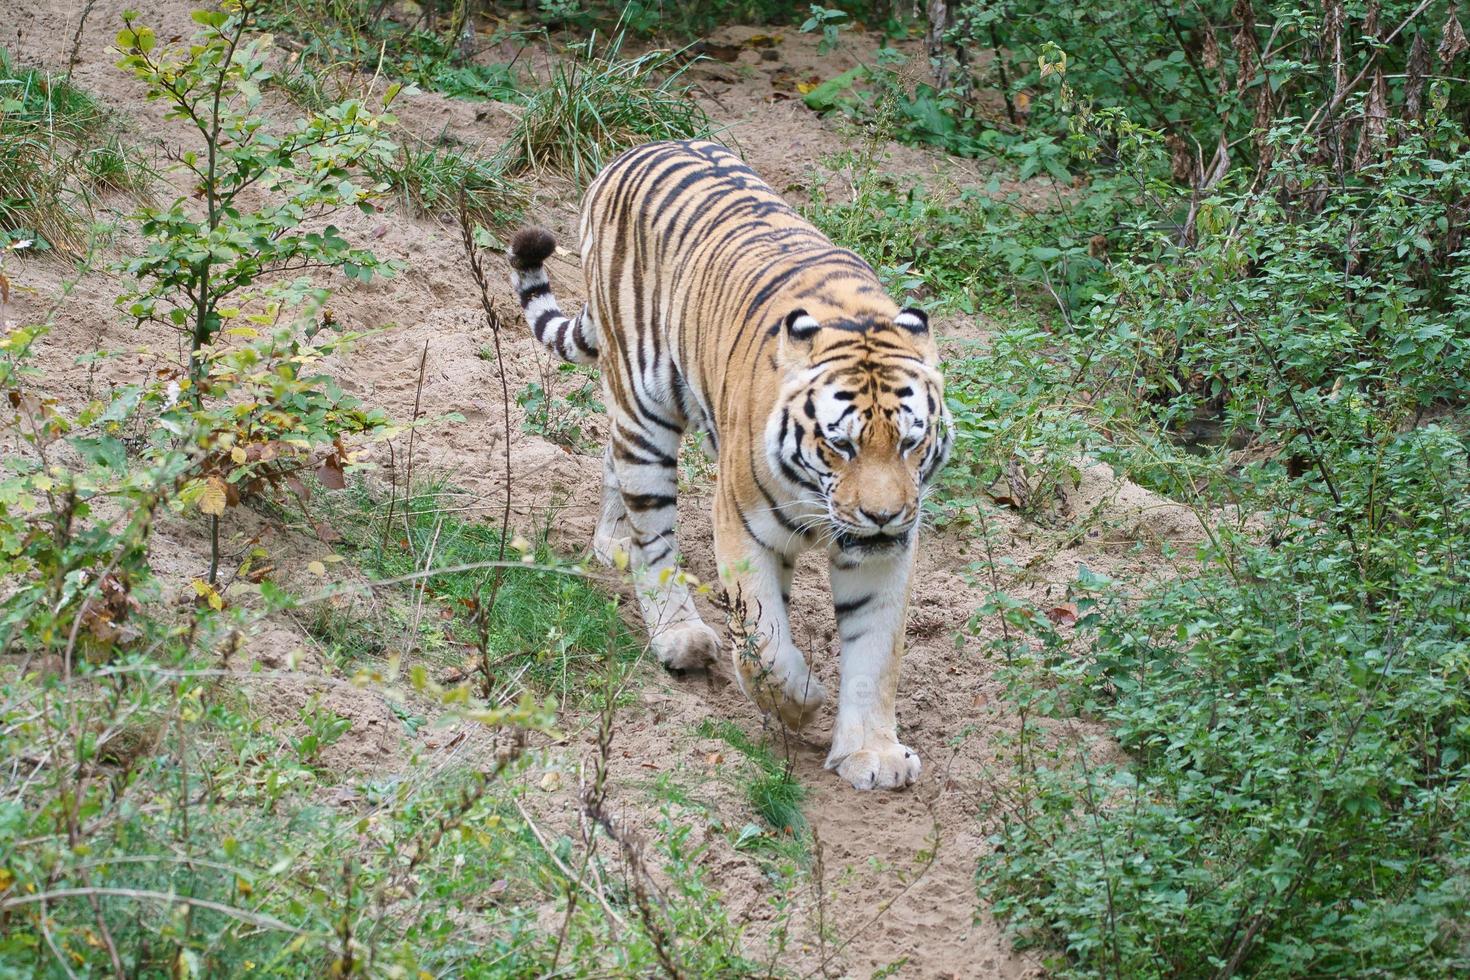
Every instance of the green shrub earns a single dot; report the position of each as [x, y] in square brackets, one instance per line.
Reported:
[1293, 707]
[202, 269]
[1298, 722]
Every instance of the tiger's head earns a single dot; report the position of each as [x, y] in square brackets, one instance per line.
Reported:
[860, 427]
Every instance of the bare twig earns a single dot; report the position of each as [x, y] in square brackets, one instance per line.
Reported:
[257, 919]
[492, 319]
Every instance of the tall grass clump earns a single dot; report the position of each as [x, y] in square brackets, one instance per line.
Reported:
[59, 150]
[433, 180]
[596, 104]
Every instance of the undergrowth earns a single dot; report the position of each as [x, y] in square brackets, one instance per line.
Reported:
[1245, 292]
[175, 799]
[550, 630]
[60, 152]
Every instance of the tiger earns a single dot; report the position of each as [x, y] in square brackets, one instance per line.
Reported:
[712, 305]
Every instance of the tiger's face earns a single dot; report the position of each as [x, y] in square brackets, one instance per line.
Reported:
[861, 428]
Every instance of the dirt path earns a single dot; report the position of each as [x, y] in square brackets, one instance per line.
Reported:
[897, 881]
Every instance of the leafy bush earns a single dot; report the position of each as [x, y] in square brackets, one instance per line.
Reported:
[1298, 721]
[960, 251]
[1255, 238]
[1291, 707]
[202, 269]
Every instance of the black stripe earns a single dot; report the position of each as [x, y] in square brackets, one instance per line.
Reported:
[659, 456]
[543, 319]
[577, 340]
[648, 501]
[753, 536]
[852, 606]
[531, 292]
[775, 508]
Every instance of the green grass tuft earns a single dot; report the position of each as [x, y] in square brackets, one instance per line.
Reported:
[549, 629]
[770, 786]
[598, 105]
[430, 180]
[58, 150]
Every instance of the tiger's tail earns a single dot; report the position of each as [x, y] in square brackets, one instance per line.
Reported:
[572, 338]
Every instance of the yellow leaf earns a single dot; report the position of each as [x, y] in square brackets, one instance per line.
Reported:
[209, 593]
[551, 782]
[620, 560]
[805, 87]
[213, 500]
[316, 568]
[238, 455]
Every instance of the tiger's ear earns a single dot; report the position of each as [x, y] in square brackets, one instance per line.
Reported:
[913, 319]
[915, 322]
[795, 335]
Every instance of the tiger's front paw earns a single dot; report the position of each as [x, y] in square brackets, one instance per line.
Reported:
[884, 766]
[686, 645]
[795, 698]
[801, 697]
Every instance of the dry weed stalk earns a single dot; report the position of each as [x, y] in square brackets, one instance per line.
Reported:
[493, 321]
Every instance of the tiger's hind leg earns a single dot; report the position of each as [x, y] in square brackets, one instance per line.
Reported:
[642, 465]
[613, 533]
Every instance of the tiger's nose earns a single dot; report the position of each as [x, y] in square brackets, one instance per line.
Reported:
[880, 518]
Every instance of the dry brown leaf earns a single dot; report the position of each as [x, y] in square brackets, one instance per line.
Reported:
[1063, 615]
[1452, 41]
[215, 497]
[1415, 74]
[331, 474]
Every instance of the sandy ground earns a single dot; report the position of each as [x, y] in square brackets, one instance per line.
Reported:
[881, 901]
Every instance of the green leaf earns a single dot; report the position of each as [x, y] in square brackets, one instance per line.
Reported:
[826, 95]
[103, 451]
